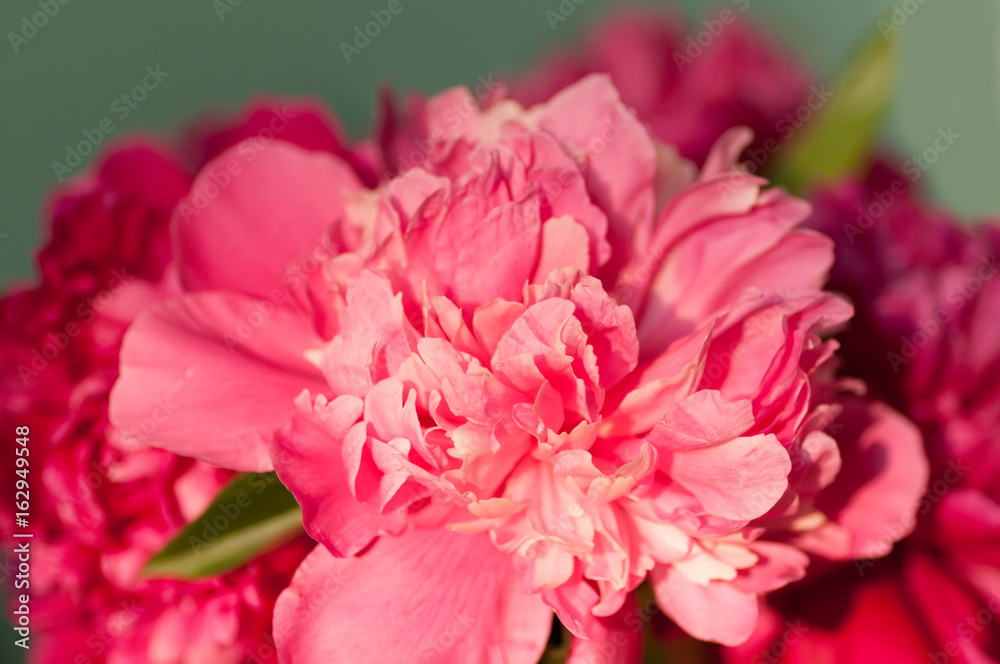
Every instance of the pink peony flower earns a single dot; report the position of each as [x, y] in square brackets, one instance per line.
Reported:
[103, 502]
[927, 293]
[543, 366]
[688, 87]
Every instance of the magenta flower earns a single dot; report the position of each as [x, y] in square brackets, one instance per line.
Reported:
[544, 365]
[102, 501]
[689, 87]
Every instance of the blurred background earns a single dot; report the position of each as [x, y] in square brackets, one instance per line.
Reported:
[61, 79]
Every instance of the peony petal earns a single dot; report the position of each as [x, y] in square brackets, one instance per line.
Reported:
[200, 379]
[883, 476]
[715, 612]
[621, 159]
[308, 457]
[739, 480]
[425, 596]
[250, 213]
[616, 639]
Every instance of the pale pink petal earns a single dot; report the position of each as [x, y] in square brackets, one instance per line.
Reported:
[741, 479]
[715, 612]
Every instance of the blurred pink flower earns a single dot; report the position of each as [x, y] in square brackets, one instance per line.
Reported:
[103, 502]
[689, 87]
[545, 363]
[927, 297]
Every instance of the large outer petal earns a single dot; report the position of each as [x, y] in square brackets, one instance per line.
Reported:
[425, 596]
[199, 380]
[250, 213]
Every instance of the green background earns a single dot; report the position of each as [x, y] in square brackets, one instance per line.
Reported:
[64, 79]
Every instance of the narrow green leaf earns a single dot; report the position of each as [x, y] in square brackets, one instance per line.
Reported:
[836, 142]
[253, 514]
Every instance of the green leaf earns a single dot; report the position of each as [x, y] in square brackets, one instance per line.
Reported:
[836, 142]
[252, 514]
